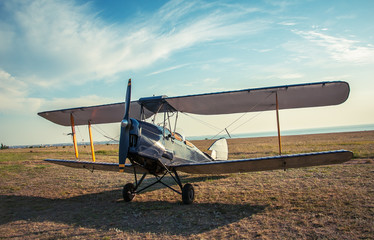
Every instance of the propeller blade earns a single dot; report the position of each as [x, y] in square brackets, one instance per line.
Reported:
[127, 100]
[124, 140]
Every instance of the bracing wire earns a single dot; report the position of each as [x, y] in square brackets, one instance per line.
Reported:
[80, 134]
[249, 119]
[203, 122]
[104, 134]
[225, 129]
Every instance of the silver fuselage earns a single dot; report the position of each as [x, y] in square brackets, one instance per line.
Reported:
[154, 147]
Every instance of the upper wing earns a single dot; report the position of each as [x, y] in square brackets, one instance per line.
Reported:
[246, 100]
[267, 163]
[108, 113]
[263, 99]
[102, 166]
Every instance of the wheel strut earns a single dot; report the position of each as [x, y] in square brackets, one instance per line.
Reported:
[187, 191]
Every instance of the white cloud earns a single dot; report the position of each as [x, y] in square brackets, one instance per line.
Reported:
[287, 23]
[337, 78]
[341, 49]
[167, 69]
[62, 42]
[210, 81]
[62, 103]
[263, 50]
[291, 76]
[13, 95]
[52, 44]
[14, 98]
[349, 17]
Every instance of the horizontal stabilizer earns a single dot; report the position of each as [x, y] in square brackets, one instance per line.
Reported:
[102, 166]
[267, 163]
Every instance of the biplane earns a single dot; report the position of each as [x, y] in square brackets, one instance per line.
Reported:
[159, 151]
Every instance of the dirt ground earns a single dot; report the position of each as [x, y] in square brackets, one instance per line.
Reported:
[39, 200]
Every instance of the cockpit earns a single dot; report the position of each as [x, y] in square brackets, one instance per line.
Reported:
[177, 136]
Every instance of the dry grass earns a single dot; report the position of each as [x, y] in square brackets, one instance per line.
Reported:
[39, 200]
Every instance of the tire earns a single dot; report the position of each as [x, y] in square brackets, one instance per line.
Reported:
[128, 192]
[188, 194]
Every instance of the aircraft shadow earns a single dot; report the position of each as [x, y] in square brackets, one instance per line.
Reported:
[101, 211]
[170, 181]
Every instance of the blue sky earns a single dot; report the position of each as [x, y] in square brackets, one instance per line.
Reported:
[61, 54]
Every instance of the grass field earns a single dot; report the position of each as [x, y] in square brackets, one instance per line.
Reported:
[39, 200]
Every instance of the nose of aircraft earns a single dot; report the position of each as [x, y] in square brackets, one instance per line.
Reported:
[124, 141]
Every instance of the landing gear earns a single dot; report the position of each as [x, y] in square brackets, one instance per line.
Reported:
[187, 191]
[128, 192]
[188, 194]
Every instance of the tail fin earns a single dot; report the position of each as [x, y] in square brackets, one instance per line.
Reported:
[219, 149]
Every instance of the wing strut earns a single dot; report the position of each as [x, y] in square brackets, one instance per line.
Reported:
[73, 134]
[91, 142]
[278, 127]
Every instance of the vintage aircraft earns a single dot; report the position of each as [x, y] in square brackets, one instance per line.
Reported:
[160, 151]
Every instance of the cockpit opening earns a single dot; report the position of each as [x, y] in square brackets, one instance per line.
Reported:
[177, 136]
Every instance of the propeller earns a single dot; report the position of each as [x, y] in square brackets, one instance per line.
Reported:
[124, 140]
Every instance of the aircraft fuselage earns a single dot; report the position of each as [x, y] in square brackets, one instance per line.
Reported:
[152, 147]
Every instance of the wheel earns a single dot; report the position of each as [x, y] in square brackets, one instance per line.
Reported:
[128, 192]
[188, 194]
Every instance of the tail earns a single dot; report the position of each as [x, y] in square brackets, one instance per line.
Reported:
[220, 150]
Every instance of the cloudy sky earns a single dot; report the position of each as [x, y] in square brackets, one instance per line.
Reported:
[61, 54]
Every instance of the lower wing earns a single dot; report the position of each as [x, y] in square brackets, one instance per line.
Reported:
[232, 166]
[267, 163]
[103, 166]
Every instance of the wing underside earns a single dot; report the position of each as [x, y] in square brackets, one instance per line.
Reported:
[267, 163]
[246, 100]
[101, 166]
[263, 99]
[109, 113]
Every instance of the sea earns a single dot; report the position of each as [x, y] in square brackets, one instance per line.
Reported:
[336, 129]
